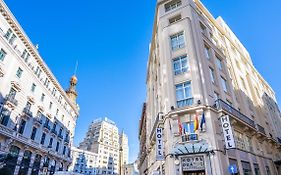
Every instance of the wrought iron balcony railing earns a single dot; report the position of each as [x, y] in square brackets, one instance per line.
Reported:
[54, 131]
[27, 112]
[261, 129]
[220, 104]
[46, 125]
[60, 136]
[11, 99]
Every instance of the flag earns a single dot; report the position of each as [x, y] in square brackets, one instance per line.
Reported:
[203, 122]
[196, 122]
[180, 126]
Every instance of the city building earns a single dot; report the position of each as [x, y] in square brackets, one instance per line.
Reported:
[123, 151]
[103, 138]
[131, 169]
[84, 162]
[200, 76]
[37, 117]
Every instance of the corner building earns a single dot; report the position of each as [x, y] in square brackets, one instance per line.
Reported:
[37, 117]
[198, 70]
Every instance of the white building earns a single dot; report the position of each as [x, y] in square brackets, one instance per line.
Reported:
[198, 73]
[123, 151]
[131, 169]
[84, 162]
[103, 138]
[37, 117]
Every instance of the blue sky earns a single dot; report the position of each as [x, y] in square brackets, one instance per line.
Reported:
[110, 39]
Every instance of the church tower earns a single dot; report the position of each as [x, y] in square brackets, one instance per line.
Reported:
[71, 92]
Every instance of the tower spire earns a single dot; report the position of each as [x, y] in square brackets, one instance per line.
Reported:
[71, 91]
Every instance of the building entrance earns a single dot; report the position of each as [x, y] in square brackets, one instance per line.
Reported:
[194, 173]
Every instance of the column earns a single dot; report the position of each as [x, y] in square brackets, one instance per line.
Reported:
[19, 162]
[31, 163]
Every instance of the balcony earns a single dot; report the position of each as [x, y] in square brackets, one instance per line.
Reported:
[46, 125]
[261, 129]
[185, 102]
[10, 101]
[37, 120]
[189, 137]
[60, 136]
[234, 113]
[66, 140]
[27, 113]
[53, 131]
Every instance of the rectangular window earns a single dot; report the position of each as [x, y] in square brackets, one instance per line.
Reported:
[22, 126]
[12, 39]
[27, 57]
[219, 63]
[175, 19]
[2, 55]
[8, 34]
[203, 28]
[267, 170]
[207, 52]
[19, 72]
[54, 91]
[33, 86]
[212, 74]
[51, 143]
[180, 65]
[28, 106]
[38, 72]
[224, 84]
[57, 147]
[177, 41]
[257, 169]
[183, 94]
[246, 168]
[50, 105]
[43, 138]
[24, 53]
[172, 5]
[42, 97]
[33, 133]
[64, 149]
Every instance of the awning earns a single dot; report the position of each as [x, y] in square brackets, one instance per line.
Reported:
[277, 162]
[197, 147]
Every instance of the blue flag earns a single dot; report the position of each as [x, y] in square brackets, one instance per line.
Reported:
[203, 121]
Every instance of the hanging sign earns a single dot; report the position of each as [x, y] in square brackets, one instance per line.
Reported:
[227, 132]
[159, 144]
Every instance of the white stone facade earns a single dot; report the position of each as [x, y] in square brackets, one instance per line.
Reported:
[103, 138]
[197, 67]
[37, 119]
[83, 162]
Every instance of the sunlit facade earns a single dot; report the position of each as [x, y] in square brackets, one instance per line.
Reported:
[198, 71]
[37, 117]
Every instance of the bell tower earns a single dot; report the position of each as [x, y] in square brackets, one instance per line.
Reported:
[71, 92]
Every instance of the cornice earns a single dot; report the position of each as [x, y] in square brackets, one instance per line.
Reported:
[4, 10]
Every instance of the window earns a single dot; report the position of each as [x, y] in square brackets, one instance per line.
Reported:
[267, 170]
[256, 169]
[33, 86]
[28, 106]
[203, 28]
[246, 168]
[207, 52]
[12, 93]
[2, 55]
[8, 34]
[42, 97]
[51, 143]
[50, 105]
[38, 72]
[175, 19]
[54, 91]
[224, 84]
[33, 133]
[172, 5]
[43, 138]
[57, 112]
[24, 53]
[19, 72]
[219, 63]
[64, 148]
[180, 65]
[12, 39]
[212, 74]
[177, 41]
[183, 94]
[22, 126]
[57, 147]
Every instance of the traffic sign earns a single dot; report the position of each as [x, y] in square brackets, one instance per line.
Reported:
[232, 169]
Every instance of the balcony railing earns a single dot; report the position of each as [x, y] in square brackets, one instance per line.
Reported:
[11, 100]
[66, 140]
[261, 129]
[46, 125]
[185, 102]
[38, 120]
[279, 140]
[27, 112]
[189, 137]
[220, 104]
[60, 136]
[54, 131]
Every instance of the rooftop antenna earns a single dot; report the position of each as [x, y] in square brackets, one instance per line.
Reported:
[76, 66]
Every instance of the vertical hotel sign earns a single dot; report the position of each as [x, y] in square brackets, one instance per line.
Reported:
[227, 132]
[159, 144]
